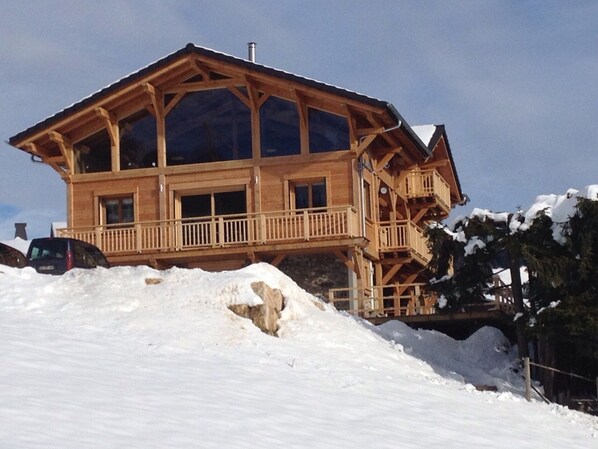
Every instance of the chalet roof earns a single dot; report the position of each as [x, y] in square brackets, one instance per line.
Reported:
[430, 135]
[242, 63]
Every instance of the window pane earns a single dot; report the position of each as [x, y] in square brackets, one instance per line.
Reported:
[119, 210]
[208, 126]
[112, 211]
[228, 203]
[319, 194]
[327, 132]
[93, 154]
[127, 210]
[301, 196]
[279, 128]
[367, 196]
[138, 141]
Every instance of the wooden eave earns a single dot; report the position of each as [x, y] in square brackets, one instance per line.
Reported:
[442, 161]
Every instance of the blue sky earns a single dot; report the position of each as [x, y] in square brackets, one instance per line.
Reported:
[515, 82]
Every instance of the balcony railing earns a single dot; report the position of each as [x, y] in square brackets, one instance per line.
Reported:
[221, 231]
[427, 184]
[394, 300]
[403, 236]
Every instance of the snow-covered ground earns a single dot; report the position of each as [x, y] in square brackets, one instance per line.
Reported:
[100, 359]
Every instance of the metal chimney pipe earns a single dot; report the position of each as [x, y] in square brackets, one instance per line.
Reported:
[251, 51]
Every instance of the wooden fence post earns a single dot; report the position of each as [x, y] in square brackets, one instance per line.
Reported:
[528, 380]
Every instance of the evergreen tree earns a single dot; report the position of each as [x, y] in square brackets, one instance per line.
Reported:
[562, 294]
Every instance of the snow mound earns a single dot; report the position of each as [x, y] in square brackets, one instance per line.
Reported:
[485, 358]
[134, 357]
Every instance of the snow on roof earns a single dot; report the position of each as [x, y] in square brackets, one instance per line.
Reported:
[425, 132]
[18, 243]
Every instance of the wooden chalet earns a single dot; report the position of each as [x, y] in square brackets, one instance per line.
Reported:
[202, 159]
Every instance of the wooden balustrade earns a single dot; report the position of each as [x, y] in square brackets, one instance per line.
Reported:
[392, 300]
[403, 235]
[221, 231]
[427, 184]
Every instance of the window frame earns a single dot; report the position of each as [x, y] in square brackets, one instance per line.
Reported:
[317, 178]
[100, 210]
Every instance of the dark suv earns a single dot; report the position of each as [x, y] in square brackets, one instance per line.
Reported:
[57, 255]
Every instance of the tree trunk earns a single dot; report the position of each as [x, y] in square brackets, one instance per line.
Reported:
[517, 291]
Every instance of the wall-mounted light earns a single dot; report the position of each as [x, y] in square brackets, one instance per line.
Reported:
[383, 190]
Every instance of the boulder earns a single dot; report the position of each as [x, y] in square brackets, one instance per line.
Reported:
[265, 316]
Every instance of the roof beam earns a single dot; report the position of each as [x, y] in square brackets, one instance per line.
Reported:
[205, 85]
[237, 93]
[110, 122]
[65, 146]
[112, 128]
[172, 103]
[364, 142]
[155, 97]
[379, 165]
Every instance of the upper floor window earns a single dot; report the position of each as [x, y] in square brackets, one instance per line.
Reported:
[279, 128]
[367, 199]
[327, 132]
[93, 154]
[308, 194]
[138, 141]
[118, 210]
[208, 126]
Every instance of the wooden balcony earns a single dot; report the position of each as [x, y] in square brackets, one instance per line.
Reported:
[403, 237]
[411, 303]
[393, 300]
[226, 232]
[427, 185]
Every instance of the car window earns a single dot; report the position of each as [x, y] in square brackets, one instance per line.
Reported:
[80, 256]
[48, 249]
[98, 257]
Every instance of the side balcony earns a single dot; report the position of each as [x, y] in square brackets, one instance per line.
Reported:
[223, 236]
[403, 237]
[427, 187]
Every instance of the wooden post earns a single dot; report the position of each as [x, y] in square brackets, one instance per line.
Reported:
[528, 380]
[517, 292]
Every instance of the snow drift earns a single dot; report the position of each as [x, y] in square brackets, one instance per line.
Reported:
[103, 359]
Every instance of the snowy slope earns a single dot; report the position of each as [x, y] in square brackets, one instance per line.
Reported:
[100, 359]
